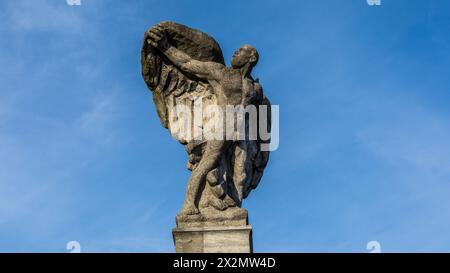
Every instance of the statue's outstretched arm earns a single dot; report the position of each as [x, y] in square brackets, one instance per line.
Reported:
[204, 70]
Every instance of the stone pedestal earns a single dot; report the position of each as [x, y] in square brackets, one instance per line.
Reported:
[213, 239]
[226, 232]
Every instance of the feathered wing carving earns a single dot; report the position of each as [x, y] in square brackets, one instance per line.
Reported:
[165, 80]
[242, 165]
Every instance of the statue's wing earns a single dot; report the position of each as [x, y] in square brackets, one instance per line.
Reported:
[257, 158]
[170, 85]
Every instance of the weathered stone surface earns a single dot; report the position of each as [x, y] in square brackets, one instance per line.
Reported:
[182, 67]
[213, 239]
[208, 217]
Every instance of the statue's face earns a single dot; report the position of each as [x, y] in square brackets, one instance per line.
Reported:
[241, 57]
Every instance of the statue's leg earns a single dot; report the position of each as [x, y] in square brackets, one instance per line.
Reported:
[209, 161]
[240, 173]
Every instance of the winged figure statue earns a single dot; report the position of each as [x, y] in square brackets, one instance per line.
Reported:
[184, 68]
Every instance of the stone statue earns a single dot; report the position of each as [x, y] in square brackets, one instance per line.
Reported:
[182, 66]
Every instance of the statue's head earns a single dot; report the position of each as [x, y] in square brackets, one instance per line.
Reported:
[246, 54]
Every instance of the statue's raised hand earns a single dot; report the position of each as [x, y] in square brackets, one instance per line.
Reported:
[157, 38]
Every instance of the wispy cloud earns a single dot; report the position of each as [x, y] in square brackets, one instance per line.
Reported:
[98, 121]
[413, 136]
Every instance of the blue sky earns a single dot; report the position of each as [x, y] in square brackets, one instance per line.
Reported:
[364, 124]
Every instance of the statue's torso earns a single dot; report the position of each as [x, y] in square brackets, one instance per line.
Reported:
[232, 88]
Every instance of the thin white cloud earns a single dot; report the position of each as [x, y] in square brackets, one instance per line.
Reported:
[96, 120]
[416, 137]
